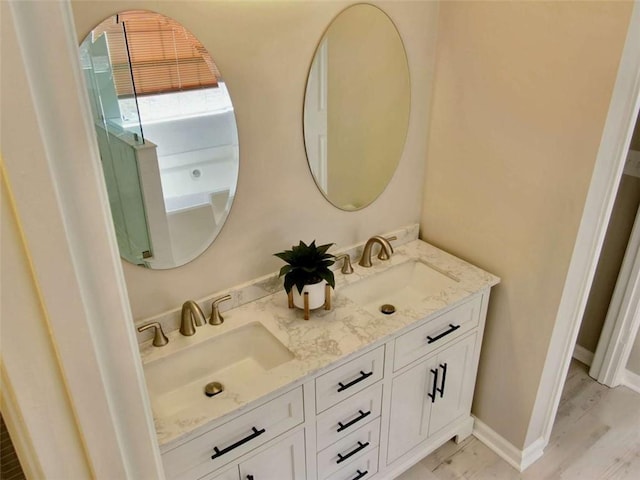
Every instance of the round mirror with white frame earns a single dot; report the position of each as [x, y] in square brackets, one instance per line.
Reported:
[167, 136]
[356, 109]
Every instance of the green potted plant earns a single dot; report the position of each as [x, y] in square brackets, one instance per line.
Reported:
[308, 270]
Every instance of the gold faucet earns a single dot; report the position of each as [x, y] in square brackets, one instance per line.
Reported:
[159, 338]
[347, 269]
[386, 250]
[216, 317]
[192, 317]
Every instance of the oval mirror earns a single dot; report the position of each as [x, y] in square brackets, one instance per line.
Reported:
[356, 109]
[167, 136]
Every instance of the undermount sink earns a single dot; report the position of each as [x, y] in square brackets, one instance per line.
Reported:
[177, 382]
[402, 285]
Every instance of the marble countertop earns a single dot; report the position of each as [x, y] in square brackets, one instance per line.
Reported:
[327, 338]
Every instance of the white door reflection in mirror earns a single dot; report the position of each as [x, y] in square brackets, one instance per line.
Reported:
[315, 117]
[167, 135]
[356, 109]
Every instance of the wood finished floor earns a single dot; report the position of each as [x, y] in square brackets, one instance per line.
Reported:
[596, 436]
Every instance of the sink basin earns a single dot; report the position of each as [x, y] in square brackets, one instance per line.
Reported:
[401, 285]
[177, 382]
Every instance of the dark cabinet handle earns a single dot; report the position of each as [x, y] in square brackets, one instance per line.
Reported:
[357, 380]
[360, 474]
[452, 328]
[355, 420]
[342, 458]
[444, 379]
[434, 387]
[219, 453]
[249, 477]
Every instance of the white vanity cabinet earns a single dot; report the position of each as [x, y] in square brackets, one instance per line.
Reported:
[428, 396]
[232, 440]
[369, 417]
[285, 460]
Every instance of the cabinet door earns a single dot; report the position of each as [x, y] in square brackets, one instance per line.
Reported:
[411, 407]
[454, 390]
[231, 474]
[431, 395]
[283, 461]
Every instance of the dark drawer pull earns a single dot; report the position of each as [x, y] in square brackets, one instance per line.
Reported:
[249, 477]
[355, 420]
[360, 474]
[452, 328]
[219, 453]
[342, 458]
[444, 379]
[434, 388]
[357, 380]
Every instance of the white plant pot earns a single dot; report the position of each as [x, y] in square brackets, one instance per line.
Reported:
[316, 295]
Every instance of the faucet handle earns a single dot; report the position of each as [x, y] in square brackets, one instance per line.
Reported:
[216, 316]
[346, 266]
[159, 338]
[383, 255]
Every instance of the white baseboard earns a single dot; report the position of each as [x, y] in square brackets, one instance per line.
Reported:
[518, 459]
[532, 453]
[583, 355]
[631, 380]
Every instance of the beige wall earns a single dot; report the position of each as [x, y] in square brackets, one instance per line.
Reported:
[359, 72]
[521, 95]
[264, 50]
[615, 243]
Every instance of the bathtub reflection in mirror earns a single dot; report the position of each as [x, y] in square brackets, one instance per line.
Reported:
[167, 136]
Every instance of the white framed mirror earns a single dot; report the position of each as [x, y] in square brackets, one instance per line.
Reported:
[356, 109]
[167, 136]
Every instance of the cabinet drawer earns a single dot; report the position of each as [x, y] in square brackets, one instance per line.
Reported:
[234, 438]
[346, 417]
[437, 332]
[359, 469]
[347, 379]
[351, 448]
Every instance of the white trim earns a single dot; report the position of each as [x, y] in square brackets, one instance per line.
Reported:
[518, 459]
[30, 464]
[622, 320]
[610, 160]
[631, 380]
[70, 238]
[583, 355]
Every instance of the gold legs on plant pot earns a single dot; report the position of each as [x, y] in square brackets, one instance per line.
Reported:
[327, 297]
[327, 300]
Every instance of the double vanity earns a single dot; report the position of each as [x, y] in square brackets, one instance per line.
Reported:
[352, 393]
